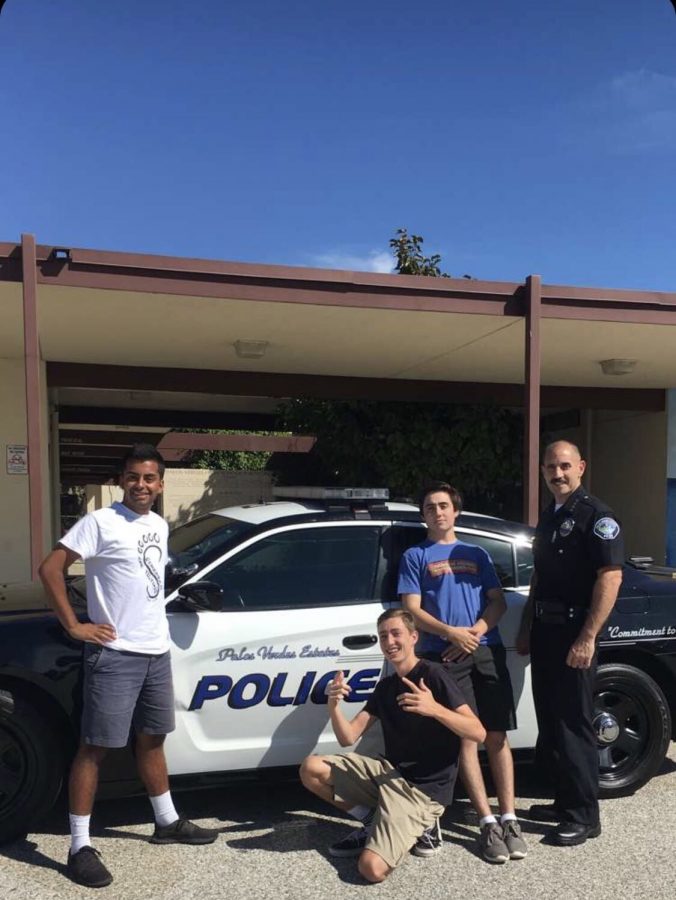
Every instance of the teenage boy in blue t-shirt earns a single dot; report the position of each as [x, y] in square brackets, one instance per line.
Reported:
[453, 592]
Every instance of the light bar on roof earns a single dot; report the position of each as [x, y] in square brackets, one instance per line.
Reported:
[331, 493]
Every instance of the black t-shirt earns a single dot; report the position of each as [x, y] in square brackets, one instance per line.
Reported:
[422, 749]
[571, 545]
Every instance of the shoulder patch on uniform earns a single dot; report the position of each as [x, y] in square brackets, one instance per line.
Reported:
[606, 528]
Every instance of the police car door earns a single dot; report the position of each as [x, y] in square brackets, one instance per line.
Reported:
[250, 681]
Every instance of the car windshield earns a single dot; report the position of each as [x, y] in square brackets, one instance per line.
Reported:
[193, 545]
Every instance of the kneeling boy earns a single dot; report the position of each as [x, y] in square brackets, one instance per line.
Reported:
[401, 796]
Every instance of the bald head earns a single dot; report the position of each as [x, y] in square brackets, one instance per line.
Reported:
[562, 469]
[562, 445]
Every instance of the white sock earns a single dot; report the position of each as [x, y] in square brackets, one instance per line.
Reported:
[507, 817]
[163, 807]
[488, 820]
[79, 832]
[359, 812]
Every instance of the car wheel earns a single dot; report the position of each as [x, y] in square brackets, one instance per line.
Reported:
[633, 728]
[31, 766]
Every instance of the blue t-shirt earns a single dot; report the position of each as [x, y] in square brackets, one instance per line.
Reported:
[452, 580]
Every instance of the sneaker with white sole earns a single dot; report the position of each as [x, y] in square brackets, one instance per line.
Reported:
[429, 842]
[351, 845]
[493, 847]
[511, 835]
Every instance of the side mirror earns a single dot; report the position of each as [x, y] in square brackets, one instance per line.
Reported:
[202, 595]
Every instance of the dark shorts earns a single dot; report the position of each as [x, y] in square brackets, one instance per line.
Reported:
[483, 678]
[122, 690]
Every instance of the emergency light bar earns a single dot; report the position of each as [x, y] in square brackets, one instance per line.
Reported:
[331, 493]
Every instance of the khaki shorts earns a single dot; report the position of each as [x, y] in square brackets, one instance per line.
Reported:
[403, 811]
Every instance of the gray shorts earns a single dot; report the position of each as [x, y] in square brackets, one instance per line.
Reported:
[122, 690]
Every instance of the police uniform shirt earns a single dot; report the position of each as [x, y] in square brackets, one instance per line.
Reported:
[571, 545]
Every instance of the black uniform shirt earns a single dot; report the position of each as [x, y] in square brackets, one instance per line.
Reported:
[571, 545]
[424, 750]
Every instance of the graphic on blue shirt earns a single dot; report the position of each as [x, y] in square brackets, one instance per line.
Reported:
[452, 580]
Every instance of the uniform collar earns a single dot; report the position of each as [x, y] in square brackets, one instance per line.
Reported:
[570, 503]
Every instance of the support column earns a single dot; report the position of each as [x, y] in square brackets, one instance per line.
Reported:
[531, 401]
[33, 417]
[670, 529]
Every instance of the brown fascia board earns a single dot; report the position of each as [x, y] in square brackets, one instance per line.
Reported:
[109, 270]
[112, 270]
[330, 387]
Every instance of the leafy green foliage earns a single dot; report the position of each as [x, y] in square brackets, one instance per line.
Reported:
[404, 445]
[230, 460]
[410, 258]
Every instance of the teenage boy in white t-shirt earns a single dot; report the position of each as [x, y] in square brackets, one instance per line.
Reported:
[127, 667]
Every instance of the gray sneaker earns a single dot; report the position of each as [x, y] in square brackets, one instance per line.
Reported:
[493, 848]
[511, 835]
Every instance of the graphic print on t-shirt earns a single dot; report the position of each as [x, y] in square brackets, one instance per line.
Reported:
[452, 567]
[150, 559]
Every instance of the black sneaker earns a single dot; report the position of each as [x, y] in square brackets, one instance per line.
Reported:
[429, 842]
[351, 845]
[85, 867]
[183, 832]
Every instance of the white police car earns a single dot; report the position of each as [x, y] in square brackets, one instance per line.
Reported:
[265, 603]
[295, 589]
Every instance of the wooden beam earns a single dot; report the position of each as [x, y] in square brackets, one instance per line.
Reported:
[531, 401]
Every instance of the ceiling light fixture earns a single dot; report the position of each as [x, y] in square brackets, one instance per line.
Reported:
[618, 366]
[251, 349]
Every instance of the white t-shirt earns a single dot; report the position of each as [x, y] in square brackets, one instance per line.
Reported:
[125, 555]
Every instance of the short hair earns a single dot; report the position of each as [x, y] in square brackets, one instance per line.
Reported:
[439, 487]
[561, 441]
[396, 612]
[142, 453]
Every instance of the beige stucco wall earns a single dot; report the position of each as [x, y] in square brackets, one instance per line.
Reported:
[629, 472]
[628, 469]
[14, 521]
[191, 492]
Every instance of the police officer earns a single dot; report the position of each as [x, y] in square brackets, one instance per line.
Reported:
[578, 555]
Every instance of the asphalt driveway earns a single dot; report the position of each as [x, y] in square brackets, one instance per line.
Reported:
[273, 845]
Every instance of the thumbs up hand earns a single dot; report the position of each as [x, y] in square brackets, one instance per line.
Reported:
[337, 688]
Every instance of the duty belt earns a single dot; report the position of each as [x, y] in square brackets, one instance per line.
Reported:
[556, 612]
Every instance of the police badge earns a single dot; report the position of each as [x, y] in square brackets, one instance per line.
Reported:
[566, 527]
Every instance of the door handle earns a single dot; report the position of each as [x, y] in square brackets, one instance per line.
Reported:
[356, 641]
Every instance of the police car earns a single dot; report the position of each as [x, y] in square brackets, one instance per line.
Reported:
[265, 603]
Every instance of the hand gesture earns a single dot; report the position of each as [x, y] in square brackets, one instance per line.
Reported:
[337, 688]
[418, 699]
[95, 634]
[463, 641]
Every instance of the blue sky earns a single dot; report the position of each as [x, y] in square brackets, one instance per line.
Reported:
[517, 137]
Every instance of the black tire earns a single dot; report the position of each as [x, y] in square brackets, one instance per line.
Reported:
[31, 766]
[639, 709]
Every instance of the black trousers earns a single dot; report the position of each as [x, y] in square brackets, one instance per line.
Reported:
[564, 706]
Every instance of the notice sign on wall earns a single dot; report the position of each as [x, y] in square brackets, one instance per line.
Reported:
[17, 459]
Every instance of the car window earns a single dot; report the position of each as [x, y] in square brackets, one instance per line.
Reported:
[303, 567]
[500, 551]
[524, 564]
